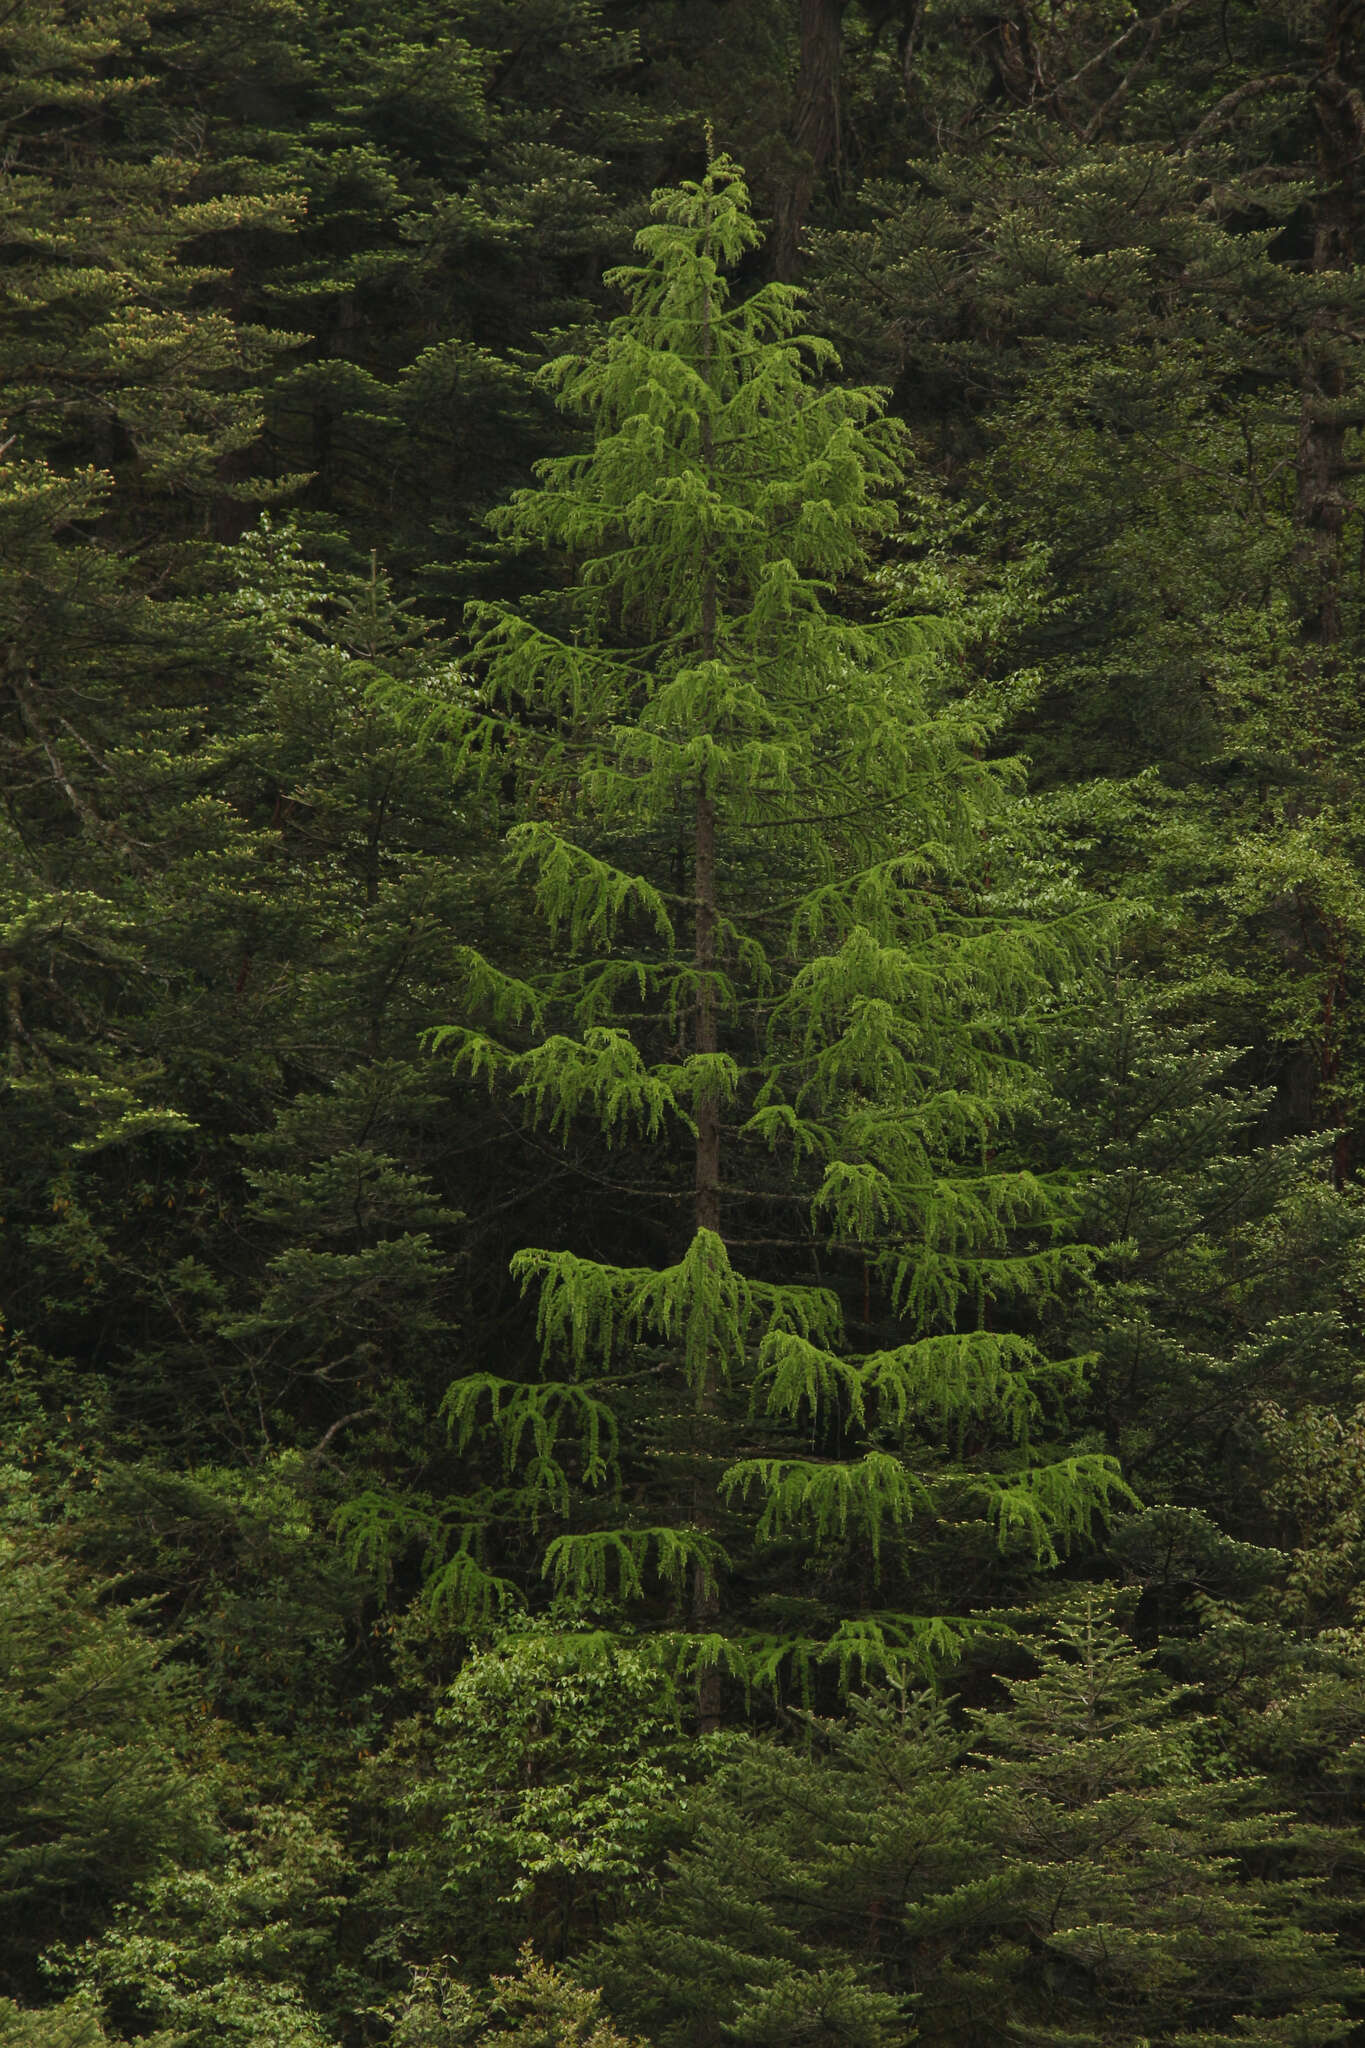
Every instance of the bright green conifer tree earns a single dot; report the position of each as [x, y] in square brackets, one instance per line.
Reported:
[776, 1005]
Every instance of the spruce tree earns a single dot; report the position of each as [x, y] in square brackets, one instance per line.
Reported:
[1155, 1898]
[1222, 1273]
[777, 1018]
[93, 1795]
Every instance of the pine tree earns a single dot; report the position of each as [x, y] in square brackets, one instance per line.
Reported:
[783, 1919]
[1224, 1255]
[778, 1013]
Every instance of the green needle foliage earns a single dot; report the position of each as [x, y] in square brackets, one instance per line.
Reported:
[776, 1003]
[702, 1314]
[93, 1796]
[1081, 1867]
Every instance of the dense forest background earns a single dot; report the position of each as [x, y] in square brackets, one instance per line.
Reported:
[684, 1081]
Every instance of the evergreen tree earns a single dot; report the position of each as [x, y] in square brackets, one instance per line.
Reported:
[73, 2024]
[459, 175]
[1225, 1255]
[1077, 1868]
[94, 1790]
[1144, 1910]
[784, 1919]
[754, 825]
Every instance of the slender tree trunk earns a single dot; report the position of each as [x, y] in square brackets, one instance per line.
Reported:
[1320, 503]
[706, 1202]
[814, 134]
[706, 1182]
[706, 1213]
[1328, 408]
[907, 40]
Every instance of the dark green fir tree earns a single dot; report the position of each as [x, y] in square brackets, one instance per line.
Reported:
[1080, 1867]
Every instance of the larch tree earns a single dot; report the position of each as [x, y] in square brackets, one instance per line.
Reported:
[778, 1021]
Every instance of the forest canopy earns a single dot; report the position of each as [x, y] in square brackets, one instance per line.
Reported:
[684, 1013]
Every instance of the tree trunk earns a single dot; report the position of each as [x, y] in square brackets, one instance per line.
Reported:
[1321, 506]
[1327, 405]
[814, 133]
[706, 1202]
[706, 1210]
[705, 1602]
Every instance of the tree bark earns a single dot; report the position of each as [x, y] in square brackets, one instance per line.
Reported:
[814, 132]
[706, 1216]
[706, 1212]
[705, 1602]
[1327, 409]
[706, 1192]
[1320, 500]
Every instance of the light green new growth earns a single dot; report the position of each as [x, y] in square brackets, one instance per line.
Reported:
[773, 982]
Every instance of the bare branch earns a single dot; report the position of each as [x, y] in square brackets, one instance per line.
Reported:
[356, 1415]
[90, 818]
[1219, 114]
